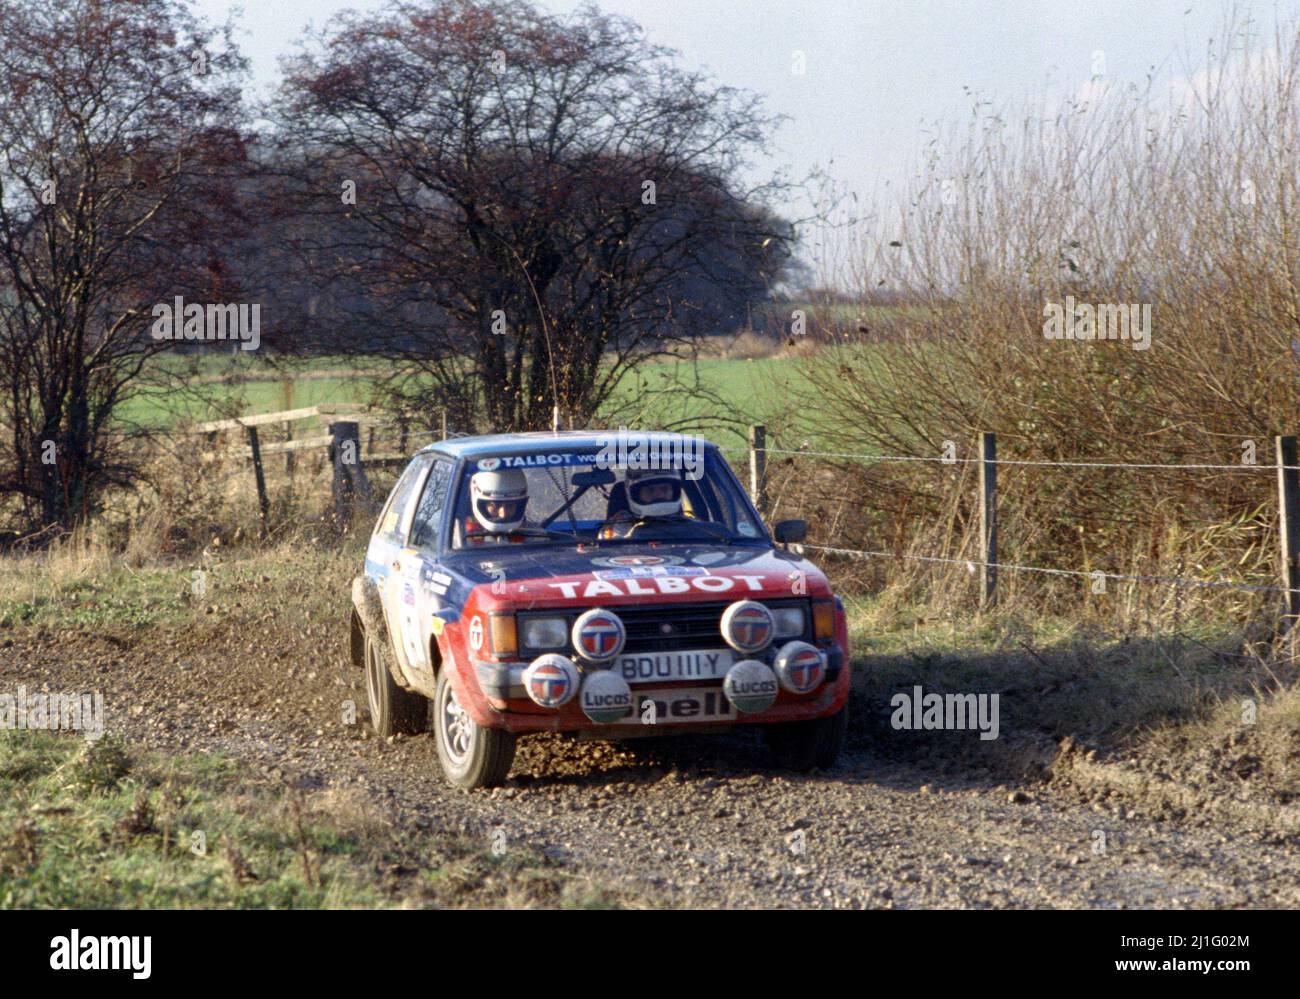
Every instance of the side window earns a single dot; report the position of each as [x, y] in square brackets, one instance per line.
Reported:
[391, 519]
[428, 515]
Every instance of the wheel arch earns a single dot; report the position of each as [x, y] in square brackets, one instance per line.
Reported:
[368, 615]
[435, 656]
[357, 641]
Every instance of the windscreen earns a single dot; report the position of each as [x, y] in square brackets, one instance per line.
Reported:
[572, 495]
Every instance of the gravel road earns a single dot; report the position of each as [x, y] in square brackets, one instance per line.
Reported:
[692, 821]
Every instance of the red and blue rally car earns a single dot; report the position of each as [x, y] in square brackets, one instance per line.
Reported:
[614, 584]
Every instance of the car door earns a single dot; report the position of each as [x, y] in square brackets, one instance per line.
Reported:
[383, 557]
[422, 581]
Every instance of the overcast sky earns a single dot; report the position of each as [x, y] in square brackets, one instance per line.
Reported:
[878, 74]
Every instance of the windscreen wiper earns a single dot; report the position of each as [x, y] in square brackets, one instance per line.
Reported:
[527, 532]
[718, 532]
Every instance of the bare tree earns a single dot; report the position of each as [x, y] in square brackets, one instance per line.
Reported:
[531, 204]
[118, 134]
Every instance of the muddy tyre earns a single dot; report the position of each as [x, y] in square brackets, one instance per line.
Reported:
[471, 756]
[393, 710]
[808, 745]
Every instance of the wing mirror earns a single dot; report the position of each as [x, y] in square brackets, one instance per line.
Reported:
[789, 532]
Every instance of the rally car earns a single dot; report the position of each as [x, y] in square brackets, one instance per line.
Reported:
[610, 584]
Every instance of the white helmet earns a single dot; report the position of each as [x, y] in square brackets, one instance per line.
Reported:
[643, 483]
[506, 486]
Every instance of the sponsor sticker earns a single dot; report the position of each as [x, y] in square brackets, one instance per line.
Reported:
[750, 686]
[630, 561]
[647, 571]
[476, 633]
[606, 698]
[562, 458]
[690, 704]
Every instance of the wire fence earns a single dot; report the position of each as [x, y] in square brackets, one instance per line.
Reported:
[394, 431]
[991, 566]
[943, 460]
[971, 565]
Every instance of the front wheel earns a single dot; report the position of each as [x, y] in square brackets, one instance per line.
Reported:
[471, 756]
[806, 745]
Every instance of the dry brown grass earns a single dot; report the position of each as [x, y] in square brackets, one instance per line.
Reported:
[1191, 208]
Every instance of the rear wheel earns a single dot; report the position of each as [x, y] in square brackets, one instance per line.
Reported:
[392, 709]
[806, 745]
[471, 756]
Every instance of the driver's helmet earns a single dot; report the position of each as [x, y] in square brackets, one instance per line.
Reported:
[653, 492]
[499, 498]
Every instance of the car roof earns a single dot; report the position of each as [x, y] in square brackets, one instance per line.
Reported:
[531, 443]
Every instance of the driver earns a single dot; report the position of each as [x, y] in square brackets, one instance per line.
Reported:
[497, 502]
[651, 492]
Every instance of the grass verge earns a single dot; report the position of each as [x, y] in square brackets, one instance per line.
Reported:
[89, 825]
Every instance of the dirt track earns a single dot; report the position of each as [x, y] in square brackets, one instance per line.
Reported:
[693, 821]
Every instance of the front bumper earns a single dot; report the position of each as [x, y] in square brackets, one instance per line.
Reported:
[504, 682]
[503, 686]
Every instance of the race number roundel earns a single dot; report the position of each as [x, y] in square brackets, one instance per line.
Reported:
[476, 633]
[800, 667]
[551, 681]
[748, 626]
[598, 635]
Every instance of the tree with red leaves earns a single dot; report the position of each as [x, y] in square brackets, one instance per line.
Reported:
[527, 206]
[119, 131]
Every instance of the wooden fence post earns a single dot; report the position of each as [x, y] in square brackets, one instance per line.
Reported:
[758, 467]
[989, 517]
[350, 480]
[288, 455]
[444, 424]
[1288, 505]
[255, 447]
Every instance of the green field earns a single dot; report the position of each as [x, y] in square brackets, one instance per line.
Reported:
[738, 391]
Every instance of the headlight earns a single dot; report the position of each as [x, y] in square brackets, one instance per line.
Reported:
[545, 632]
[789, 622]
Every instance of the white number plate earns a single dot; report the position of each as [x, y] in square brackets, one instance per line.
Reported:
[660, 667]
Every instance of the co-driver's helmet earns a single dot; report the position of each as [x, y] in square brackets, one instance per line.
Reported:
[499, 498]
